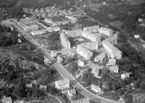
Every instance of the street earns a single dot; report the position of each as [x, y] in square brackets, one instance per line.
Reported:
[62, 71]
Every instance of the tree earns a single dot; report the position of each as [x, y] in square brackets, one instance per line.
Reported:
[142, 85]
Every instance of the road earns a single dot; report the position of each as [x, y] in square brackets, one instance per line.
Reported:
[65, 74]
[78, 8]
[62, 71]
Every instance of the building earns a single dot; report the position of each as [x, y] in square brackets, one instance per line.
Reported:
[93, 46]
[87, 54]
[46, 61]
[71, 92]
[62, 84]
[92, 29]
[96, 72]
[111, 62]
[100, 58]
[28, 27]
[7, 99]
[27, 21]
[64, 41]
[125, 75]
[72, 18]
[113, 39]
[114, 68]
[74, 33]
[81, 63]
[95, 88]
[105, 31]
[49, 21]
[112, 50]
[38, 32]
[95, 37]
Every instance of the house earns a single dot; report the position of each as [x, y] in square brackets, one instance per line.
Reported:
[87, 54]
[112, 50]
[29, 85]
[43, 87]
[38, 32]
[125, 75]
[7, 99]
[62, 84]
[95, 88]
[99, 58]
[81, 63]
[95, 37]
[46, 61]
[71, 92]
[64, 41]
[105, 31]
[96, 72]
[49, 21]
[59, 59]
[114, 68]
[111, 62]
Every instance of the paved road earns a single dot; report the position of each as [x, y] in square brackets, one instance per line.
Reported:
[62, 71]
[65, 74]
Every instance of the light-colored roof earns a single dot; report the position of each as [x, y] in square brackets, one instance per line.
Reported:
[62, 81]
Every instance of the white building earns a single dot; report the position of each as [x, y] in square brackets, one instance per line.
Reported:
[72, 18]
[96, 72]
[38, 32]
[81, 63]
[105, 31]
[112, 50]
[64, 41]
[95, 37]
[111, 62]
[92, 29]
[74, 33]
[71, 92]
[49, 21]
[87, 54]
[93, 46]
[7, 99]
[46, 61]
[28, 28]
[114, 68]
[95, 88]
[27, 21]
[125, 75]
[62, 84]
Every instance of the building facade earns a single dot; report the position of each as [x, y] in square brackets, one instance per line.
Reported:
[112, 50]
[95, 88]
[64, 41]
[93, 46]
[105, 31]
[38, 32]
[87, 54]
[95, 37]
[62, 84]
[93, 29]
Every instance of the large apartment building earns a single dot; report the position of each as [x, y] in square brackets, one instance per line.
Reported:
[112, 50]
[95, 37]
[87, 54]
[64, 41]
